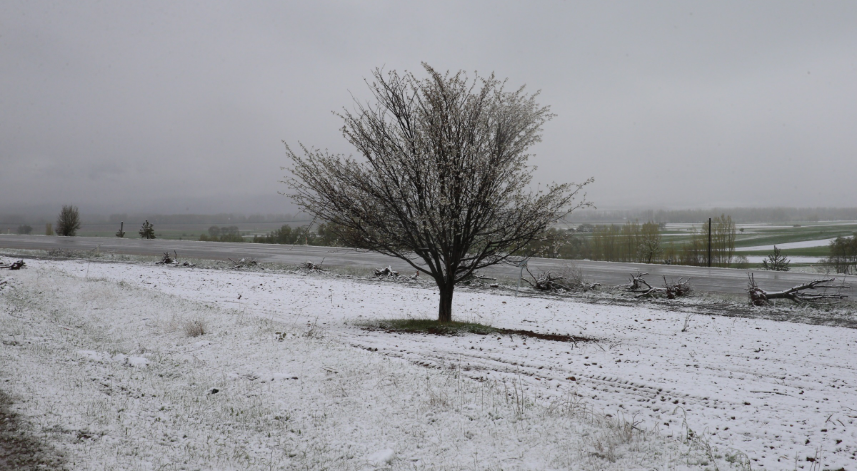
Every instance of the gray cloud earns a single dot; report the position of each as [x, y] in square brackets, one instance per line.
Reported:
[666, 103]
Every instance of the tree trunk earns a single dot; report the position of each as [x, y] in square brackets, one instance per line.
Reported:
[445, 310]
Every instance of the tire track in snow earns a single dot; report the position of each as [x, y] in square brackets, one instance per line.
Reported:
[669, 408]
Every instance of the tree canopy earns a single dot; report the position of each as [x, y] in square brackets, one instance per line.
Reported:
[68, 221]
[442, 181]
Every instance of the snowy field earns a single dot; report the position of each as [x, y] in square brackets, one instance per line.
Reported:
[288, 375]
[791, 258]
[804, 244]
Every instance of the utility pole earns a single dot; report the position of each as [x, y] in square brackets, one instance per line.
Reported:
[709, 242]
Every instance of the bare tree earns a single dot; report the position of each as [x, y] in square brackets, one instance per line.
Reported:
[843, 254]
[68, 221]
[723, 241]
[650, 242]
[444, 179]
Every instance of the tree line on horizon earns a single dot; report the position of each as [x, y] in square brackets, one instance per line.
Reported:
[739, 215]
[628, 242]
[640, 243]
[592, 216]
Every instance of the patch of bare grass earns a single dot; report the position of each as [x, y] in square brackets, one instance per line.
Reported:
[195, 327]
[18, 450]
[433, 327]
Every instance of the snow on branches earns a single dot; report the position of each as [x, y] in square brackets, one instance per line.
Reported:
[442, 181]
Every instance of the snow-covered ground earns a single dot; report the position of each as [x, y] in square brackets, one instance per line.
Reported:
[98, 354]
[792, 259]
[804, 244]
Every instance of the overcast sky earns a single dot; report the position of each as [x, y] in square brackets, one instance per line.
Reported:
[179, 107]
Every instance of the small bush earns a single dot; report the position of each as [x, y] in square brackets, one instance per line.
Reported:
[195, 327]
[147, 231]
[776, 261]
[25, 229]
[68, 222]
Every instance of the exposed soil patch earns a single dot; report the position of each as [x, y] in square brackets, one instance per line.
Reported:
[19, 451]
[458, 328]
[552, 337]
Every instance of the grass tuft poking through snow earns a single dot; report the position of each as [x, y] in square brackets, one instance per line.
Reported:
[195, 327]
[112, 381]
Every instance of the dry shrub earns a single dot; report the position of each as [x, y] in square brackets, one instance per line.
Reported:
[438, 399]
[617, 436]
[570, 405]
[195, 327]
[570, 278]
[314, 331]
[574, 276]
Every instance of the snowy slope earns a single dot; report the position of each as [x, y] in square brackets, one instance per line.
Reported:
[777, 392]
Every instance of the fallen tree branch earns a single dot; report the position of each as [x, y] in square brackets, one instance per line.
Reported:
[479, 276]
[760, 297]
[312, 266]
[547, 281]
[242, 262]
[679, 288]
[671, 290]
[387, 271]
[637, 282]
[15, 265]
[173, 260]
[476, 277]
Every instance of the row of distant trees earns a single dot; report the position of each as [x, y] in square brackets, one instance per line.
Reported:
[629, 242]
[222, 234]
[324, 235]
[641, 243]
[739, 215]
[68, 223]
[695, 252]
[220, 219]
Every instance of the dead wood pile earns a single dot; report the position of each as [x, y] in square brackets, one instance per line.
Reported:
[167, 259]
[312, 266]
[637, 282]
[548, 281]
[173, 260]
[386, 272]
[478, 278]
[673, 290]
[569, 279]
[243, 263]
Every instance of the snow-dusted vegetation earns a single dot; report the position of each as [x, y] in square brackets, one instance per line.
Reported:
[133, 366]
